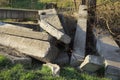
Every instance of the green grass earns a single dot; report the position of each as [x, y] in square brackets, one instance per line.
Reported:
[19, 72]
[3, 61]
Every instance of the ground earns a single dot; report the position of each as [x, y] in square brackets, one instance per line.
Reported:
[38, 72]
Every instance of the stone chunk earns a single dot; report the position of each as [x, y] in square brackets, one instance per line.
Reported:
[40, 50]
[92, 63]
[54, 68]
[54, 32]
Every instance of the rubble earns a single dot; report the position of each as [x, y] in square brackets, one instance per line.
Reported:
[92, 63]
[54, 68]
[43, 45]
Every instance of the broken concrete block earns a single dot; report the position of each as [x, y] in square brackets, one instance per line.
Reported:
[112, 70]
[24, 32]
[92, 63]
[50, 16]
[18, 60]
[54, 32]
[40, 50]
[54, 68]
[62, 59]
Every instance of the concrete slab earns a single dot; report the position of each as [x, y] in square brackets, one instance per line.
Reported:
[108, 49]
[106, 46]
[92, 63]
[112, 70]
[54, 32]
[40, 50]
[24, 32]
[80, 37]
[50, 16]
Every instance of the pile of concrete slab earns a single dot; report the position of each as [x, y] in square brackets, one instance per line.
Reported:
[43, 45]
[39, 45]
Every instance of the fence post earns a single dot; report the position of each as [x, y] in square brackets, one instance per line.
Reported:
[91, 23]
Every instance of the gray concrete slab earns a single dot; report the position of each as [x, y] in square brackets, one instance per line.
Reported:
[54, 32]
[76, 60]
[92, 63]
[106, 46]
[24, 32]
[108, 49]
[80, 37]
[50, 16]
[40, 50]
[112, 70]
